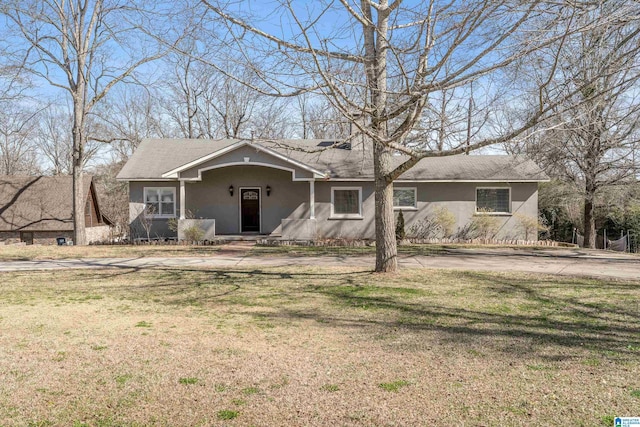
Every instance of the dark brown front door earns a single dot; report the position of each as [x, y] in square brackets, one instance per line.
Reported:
[250, 210]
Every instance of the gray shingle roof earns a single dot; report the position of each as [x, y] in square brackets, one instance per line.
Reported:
[37, 203]
[157, 156]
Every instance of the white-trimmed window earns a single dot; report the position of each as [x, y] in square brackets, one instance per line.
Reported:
[493, 200]
[160, 201]
[405, 198]
[346, 202]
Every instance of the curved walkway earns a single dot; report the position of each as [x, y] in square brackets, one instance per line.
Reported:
[565, 262]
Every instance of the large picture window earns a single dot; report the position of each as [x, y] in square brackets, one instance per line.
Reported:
[346, 202]
[160, 202]
[493, 200]
[404, 198]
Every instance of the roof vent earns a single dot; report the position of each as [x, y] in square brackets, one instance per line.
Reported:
[326, 143]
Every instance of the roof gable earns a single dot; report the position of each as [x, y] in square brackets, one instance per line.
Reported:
[39, 203]
[246, 153]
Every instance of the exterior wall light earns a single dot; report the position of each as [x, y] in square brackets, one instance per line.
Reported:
[268, 190]
[231, 190]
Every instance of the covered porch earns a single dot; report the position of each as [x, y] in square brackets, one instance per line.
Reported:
[247, 200]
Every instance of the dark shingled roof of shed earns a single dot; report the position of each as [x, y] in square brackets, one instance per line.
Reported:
[155, 157]
[37, 203]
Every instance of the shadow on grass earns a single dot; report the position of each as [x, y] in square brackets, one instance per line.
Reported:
[525, 315]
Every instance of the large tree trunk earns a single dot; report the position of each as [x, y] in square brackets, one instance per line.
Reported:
[589, 223]
[79, 237]
[386, 246]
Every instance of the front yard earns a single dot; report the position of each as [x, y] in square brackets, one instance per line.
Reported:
[44, 252]
[311, 346]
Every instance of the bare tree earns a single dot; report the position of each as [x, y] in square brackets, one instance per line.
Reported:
[386, 61]
[596, 132]
[319, 120]
[113, 195]
[54, 142]
[83, 47]
[17, 131]
[205, 103]
[131, 113]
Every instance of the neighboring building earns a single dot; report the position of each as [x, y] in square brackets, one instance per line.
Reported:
[38, 209]
[308, 189]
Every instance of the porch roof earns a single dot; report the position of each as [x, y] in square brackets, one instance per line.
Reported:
[156, 158]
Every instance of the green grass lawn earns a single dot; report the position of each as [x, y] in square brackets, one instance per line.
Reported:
[311, 346]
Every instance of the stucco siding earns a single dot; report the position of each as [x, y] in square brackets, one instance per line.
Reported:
[210, 198]
[328, 227]
[460, 200]
[159, 226]
[289, 200]
[246, 155]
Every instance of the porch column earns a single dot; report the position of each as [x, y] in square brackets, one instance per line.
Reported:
[182, 200]
[312, 199]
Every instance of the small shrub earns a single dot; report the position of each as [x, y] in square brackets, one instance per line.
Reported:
[194, 233]
[445, 221]
[484, 226]
[426, 228]
[528, 225]
[227, 415]
[635, 393]
[330, 388]
[438, 223]
[143, 324]
[188, 380]
[400, 233]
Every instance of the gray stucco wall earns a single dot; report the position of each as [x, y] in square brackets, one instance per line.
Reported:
[290, 200]
[159, 226]
[210, 198]
[245, 155]
[458, 198]
[344, 228]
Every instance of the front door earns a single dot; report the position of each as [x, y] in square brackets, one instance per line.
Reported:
[250, 210]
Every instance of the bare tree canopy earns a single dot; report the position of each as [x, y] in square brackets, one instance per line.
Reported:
[594, 137]
[84, 48]
[392, 61]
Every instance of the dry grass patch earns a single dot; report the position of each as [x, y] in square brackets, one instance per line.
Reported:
[46, 252]
[429, 249]
[311, 346]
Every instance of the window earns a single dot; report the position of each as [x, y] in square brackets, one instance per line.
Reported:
[404, 198]
[346, 202]
[496, 200]
[160, 202]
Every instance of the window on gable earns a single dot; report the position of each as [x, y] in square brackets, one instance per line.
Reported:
[346, 202]
[404, 198]
[493, 200]
[160, 202]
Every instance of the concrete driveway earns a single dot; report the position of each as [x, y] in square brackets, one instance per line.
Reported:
[565, 262]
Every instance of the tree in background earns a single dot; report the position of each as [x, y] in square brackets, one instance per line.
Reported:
[17, 132]
[594, 136]
[84, 48]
